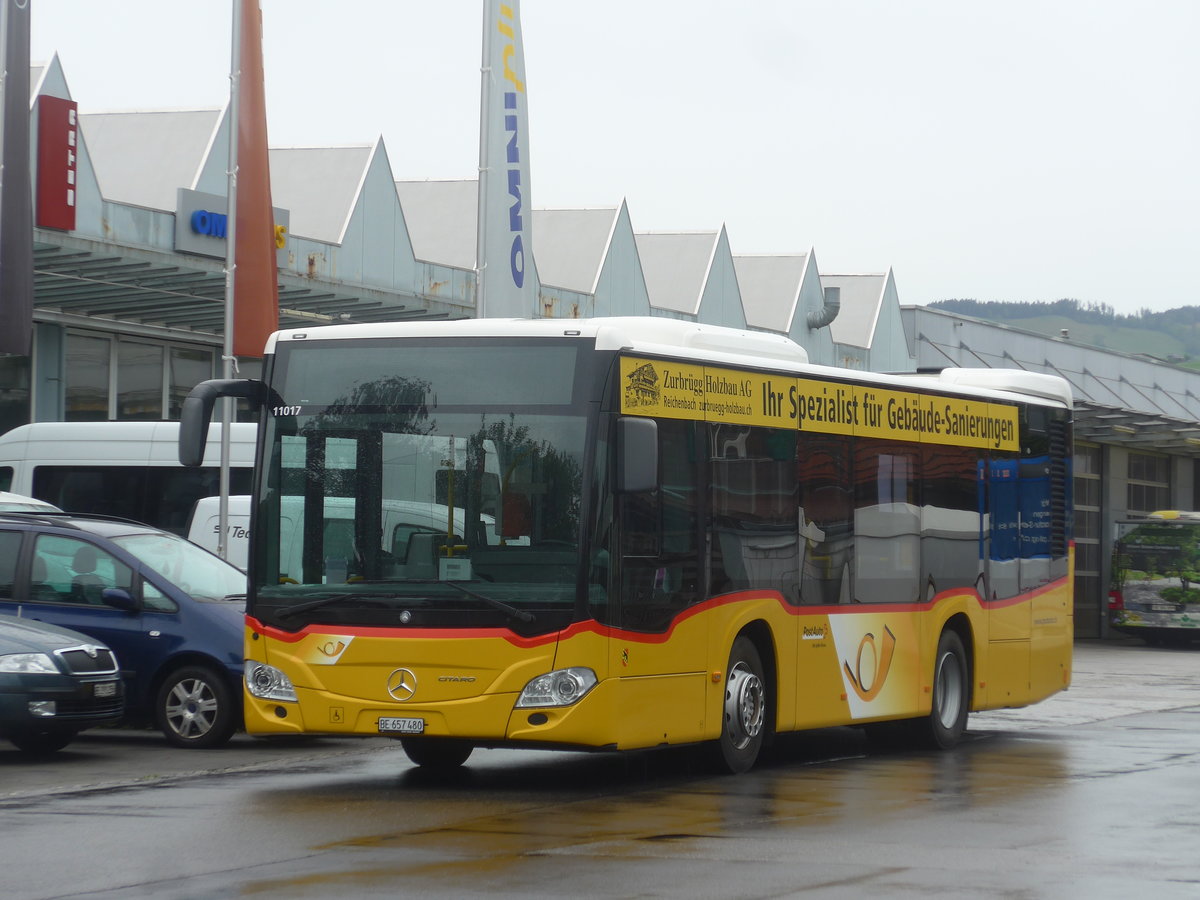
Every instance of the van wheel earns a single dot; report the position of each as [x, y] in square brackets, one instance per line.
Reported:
[437, 753]
[744, 723]
[951, 694]
[195, 707]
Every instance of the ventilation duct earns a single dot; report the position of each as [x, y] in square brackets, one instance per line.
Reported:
[827, 313]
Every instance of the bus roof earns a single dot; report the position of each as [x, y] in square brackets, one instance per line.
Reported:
[715, 344]
[1183, 515]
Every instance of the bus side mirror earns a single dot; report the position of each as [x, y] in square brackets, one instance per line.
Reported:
[197, 412]
[637, 455]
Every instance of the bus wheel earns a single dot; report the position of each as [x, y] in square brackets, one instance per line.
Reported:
[437, 753]
[744, 709]
[951, 694]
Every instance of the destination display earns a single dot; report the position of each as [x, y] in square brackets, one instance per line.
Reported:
[677, 390]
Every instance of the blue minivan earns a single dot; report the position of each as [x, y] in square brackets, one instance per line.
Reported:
[171, 611]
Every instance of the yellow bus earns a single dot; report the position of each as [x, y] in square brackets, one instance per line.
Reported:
[652, 533]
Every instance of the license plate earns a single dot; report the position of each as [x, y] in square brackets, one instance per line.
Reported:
[104, 689]
[1162, 607]
[401, 726]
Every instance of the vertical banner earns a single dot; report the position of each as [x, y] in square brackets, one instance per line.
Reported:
[57, 156]
[504, 281]
[255, 276]
[16, 191]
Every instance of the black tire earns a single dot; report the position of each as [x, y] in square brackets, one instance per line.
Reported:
[196, 708]
[947, 719]
[745, 709]
[37, 743]
[437, 753]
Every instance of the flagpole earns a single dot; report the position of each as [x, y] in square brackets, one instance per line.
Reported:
[229, 363]
[485, 75]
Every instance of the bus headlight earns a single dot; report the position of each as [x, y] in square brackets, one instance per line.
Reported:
[562, 687]
[268, 683]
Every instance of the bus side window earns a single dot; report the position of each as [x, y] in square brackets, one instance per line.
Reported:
[660, 561]
[887, 521]
[754, 500]
[825, 518]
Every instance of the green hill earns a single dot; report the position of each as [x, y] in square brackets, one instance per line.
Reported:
[1172, 336]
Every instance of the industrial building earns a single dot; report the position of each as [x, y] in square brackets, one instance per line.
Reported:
[129, 296]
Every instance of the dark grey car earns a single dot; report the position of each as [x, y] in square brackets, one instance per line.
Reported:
[54, 683]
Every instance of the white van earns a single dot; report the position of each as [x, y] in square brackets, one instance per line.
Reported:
[128, 469]
[402, 519]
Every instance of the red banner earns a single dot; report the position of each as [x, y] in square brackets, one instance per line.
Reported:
[57, 149]
[256, 279]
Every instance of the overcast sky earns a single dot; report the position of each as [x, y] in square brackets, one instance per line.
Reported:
[1030, 150]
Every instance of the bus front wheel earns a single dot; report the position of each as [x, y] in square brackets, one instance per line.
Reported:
[743, 709]
[437, 753]
[951, 694]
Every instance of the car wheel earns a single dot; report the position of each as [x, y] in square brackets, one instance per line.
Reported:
[744, 708]
[437, 753]
[35, 743]
[195, 708]
[951, 694]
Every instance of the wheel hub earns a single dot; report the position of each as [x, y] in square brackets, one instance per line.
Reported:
[745, 706]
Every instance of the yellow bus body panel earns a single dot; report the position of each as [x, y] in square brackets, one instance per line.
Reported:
[828, 666]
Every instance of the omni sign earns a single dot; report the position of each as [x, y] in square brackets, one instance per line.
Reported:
[202, 223]
[516, 255]
[209, 223]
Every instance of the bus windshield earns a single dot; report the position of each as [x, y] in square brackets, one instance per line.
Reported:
[408, 485]
[1156, 576]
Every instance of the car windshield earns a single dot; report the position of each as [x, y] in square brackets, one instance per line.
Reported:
[188, 567]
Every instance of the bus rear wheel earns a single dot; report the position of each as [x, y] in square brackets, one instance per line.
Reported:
[437, 753]
[951, 694]
[745, 721]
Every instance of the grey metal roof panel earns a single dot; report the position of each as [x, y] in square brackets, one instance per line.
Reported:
[318, 186]
[676, 266]
[442, 219]
[770, 286]
[570, 245]
[1119, 398]
[862, 296]
[142, 158]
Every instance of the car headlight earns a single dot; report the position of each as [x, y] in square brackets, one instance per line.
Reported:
[268, 683]
[562, 687]
[28, 663]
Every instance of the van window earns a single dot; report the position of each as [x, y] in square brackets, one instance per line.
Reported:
[6, 478]
[162, 496]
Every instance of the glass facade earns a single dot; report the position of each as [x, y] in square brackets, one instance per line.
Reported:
[1089, 593]
[87, 364]
[1149, 483]
[139, 381]
[14, 391]
[112, 377]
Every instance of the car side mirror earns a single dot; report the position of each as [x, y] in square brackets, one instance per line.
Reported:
[119, 598]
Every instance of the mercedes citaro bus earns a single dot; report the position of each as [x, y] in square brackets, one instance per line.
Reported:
[652, 533]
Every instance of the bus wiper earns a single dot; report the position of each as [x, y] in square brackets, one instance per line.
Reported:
[519, 614]
[297, 608]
